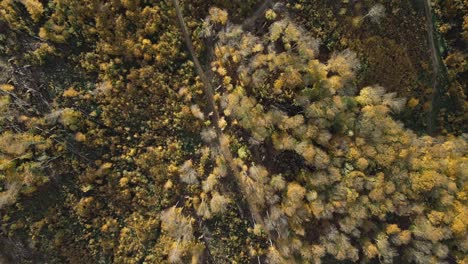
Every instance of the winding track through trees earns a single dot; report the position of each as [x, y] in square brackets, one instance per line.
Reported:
[436, 69]
[209, 96]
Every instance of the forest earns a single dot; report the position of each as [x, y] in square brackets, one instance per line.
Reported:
[231, 132]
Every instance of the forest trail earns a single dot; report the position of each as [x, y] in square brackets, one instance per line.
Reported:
[209, 96]
[435, 58]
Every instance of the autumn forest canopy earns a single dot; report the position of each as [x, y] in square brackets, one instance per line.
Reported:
[255, 131]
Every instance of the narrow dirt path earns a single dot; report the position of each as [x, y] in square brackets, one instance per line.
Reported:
[436, 69]
[209, 96]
